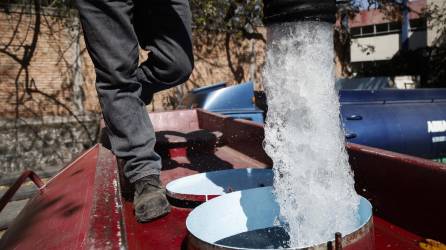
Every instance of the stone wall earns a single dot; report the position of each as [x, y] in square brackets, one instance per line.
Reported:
[43, 145]
[48, 107]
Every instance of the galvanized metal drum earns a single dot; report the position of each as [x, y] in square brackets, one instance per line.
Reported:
[199, 188]
[246, 220]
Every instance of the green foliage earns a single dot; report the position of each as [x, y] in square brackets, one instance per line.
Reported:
[241, 19]
[59, 4]
[437, 53]
[234, 16]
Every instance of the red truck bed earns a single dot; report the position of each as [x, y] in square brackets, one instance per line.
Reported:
[88, 204]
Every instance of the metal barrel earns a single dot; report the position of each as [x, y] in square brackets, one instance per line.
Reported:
[247, 220]
[361, 239]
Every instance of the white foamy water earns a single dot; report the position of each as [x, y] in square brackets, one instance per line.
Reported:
[313, 181]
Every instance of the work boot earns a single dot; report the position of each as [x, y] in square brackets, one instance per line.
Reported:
[150, 200]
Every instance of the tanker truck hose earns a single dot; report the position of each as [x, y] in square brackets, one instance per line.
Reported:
[278, 11]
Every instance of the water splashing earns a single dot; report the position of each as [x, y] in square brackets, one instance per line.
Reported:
[313, 181]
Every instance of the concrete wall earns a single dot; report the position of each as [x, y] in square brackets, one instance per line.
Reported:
[383, 47]
[374, 48]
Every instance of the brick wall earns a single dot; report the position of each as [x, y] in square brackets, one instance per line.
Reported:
[212, 65]
[48, 103]
[43, 69]
[60, 74]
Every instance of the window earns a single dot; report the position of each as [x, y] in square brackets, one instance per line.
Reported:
[370, 29]
[355, 31]
[381, 28]
[395, 26]
[417, 24]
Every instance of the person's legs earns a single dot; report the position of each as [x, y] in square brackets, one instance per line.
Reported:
[124, 88]
[164, 28]
[113, 46]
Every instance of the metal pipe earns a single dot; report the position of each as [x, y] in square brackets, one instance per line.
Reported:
[277, 11]
[13, 189]
[405, 31]
[338, 241]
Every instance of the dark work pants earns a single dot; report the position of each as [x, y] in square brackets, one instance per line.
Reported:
[113, 29]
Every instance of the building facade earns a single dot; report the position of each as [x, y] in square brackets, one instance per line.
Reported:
[376, 37]
[377, 43]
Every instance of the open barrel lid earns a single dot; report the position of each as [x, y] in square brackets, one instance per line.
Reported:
[205, 186]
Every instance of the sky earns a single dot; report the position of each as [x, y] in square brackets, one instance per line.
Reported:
[362, 3]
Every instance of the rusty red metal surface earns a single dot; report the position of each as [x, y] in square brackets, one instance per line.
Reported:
[242, 148]
[106, 228]
[58, 218]
[390, 236]
[405, 190]
[89, 204]
[13, 189]
[79, 209]
[171, 233]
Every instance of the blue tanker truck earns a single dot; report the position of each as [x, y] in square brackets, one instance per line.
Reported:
[405, 121]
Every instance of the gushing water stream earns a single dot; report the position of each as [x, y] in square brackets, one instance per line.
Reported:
[313, 181]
